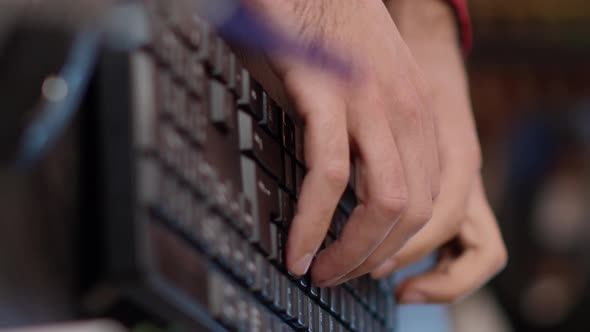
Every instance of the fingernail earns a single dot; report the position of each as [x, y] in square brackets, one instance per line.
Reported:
[302, 265]
[413, 298]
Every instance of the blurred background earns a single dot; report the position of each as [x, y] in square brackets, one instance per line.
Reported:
[529, 72]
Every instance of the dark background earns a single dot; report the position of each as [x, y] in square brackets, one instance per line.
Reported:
[529, 73]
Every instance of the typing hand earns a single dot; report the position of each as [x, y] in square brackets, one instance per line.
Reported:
[466, 263]
[379, 117]
[438, 53]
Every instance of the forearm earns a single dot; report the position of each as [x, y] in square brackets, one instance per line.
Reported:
[430, 30]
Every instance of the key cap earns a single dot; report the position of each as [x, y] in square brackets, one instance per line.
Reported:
[316, 318]
[194, 33]
[257, 144]
[274, 253]
[286, 209]
[335, 300]
[271, 116]
[247, 222]
[221, 106]
[263, 194]
[270, 283]
[289, 175]
[390, 313]
[328, 322]
[251, 96]
[314, 292]
[279, 298]
[299, 307]
[325, 296]
[195, 77]
[344, 314]
[236, 74]
[288, 135]
[255, 318]
[198, 121]
[222, 65]
[291, 300]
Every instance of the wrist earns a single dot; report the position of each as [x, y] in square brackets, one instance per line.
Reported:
[424, 20]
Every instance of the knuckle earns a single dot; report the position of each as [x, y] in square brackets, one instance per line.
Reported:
[409, 105]
[418, 218]
[456, 216]
[337, 173]
[391, 206]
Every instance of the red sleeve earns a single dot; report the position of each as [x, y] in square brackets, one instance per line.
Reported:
[460, 7]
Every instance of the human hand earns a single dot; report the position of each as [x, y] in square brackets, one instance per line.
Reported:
[437, 51]
[381, 117]
[465, 263]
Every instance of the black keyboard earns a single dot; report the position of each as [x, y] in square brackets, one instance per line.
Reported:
[195, 172]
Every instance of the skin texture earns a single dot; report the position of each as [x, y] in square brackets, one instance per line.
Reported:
[475, 255]
[461, 213]
[380, 118]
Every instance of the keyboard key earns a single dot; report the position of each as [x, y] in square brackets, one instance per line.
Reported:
[289, 175]
[257, 144]
[195, 77]
[299, 307]
[222, 65]
[194, 31]
[271, 120]
[221, 106]
[197, 121]
[277, 288]
[236, 75]
[286, 209]
[263, 193]
[314, 292]
[328, 322]
[291, 301]
[335, 300]
[288, 134]
[325, 296]
[390, 320]
[274, 253]
[269, 284]
[251, 96]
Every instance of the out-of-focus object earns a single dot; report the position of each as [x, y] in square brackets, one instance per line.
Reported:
[89, 326]
[545, 218]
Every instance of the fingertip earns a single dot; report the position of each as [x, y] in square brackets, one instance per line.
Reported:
[386, 268]
[413, 297]
[299, 266]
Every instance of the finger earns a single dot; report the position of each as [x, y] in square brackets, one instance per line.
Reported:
[327, 159]
[410, 140]
[449, 212]
[381, 194]
[483, 257]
